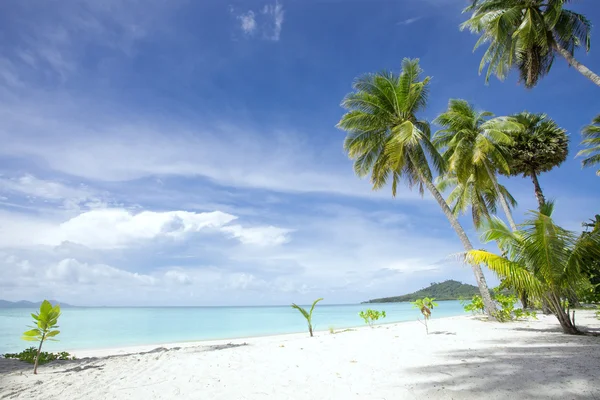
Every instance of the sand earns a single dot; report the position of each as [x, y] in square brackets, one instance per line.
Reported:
[461, 358]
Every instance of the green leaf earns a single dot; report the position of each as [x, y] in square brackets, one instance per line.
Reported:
[32, 332]
[52, 334]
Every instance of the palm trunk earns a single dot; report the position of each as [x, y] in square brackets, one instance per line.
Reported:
[583, 70]
[503, 201]
[539, 195]
[490, 307]
[563, 316]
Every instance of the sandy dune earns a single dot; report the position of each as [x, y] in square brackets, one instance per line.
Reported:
[462, 358]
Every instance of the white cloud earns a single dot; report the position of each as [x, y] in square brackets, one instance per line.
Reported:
[71, 271]
[247, 22]
[275, 13]
[409, 21]
[52, 191]
[229, 155]
[117, 228]
[268, 22]
[261, 236]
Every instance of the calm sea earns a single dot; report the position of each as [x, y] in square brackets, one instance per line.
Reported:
[107, 327]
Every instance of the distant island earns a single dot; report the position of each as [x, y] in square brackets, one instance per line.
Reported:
[28, 304]
[448, 290]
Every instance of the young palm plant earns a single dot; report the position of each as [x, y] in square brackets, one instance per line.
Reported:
[591, 134]
[527, 35]
[387, 140]
[540, 146]
[472, 143]
[542, 259]
[308, 314]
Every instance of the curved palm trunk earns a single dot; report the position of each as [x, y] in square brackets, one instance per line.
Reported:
[583, 70]
[490, 307]
[503, 201]
[539, 195]
[563, 316]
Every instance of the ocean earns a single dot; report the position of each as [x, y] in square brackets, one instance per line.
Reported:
[109, 327]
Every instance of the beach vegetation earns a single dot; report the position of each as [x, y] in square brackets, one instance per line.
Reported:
[471, 143]
[425, 305]
[542, 259]
[539, 147]
[308, 314]
[507, 310]
[371, 316]
[29, 355]
[475, 305]
[527, 35]
[591, 140]
[388, 141]
[45, 324]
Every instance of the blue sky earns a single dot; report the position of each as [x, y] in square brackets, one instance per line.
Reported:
[185, 153]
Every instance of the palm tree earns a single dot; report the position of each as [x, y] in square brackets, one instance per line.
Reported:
[542, 259]
[387, 140]
[540, 146]
[472, 144]
[527, 35]
[591, 133]
[477, 193]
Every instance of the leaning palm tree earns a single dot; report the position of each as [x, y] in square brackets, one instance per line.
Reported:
[387, 140]
[539, 147]
[472, 142]
[542, 259]
[591, 134]
[527, 35]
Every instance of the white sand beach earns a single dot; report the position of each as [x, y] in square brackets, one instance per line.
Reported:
[461, 358]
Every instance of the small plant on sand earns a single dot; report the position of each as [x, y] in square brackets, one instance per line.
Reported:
[507, 311]
[308, 314]
[425, 305]
[45, 323]
[370, 316]
[29, 356]
[331, 330]
[475, 306]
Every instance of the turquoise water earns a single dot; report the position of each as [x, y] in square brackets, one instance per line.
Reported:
[95, 327]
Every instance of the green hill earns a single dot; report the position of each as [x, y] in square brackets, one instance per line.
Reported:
[448, 290]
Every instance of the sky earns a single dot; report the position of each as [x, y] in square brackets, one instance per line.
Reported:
[185, 153]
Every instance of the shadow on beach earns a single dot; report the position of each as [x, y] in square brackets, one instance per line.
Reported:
[538, 367]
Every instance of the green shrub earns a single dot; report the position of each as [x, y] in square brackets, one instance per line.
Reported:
[475, 306]
[28, 355]
[507, 311]
[370, 316]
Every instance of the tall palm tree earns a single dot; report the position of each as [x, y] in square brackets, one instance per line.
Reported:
[591, 134]
[387, 140]
[540, 146]
[472, 143]
[542, 259]
[527, 35]
[477, 193]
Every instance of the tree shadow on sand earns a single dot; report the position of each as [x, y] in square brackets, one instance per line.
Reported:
[538, 367]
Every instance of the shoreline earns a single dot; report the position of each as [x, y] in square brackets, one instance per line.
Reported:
[461, 357]
[143, 348]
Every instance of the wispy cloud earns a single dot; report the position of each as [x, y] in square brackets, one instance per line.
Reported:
[268, 22]
[409, 21]
[274, 12]
[247, 22]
